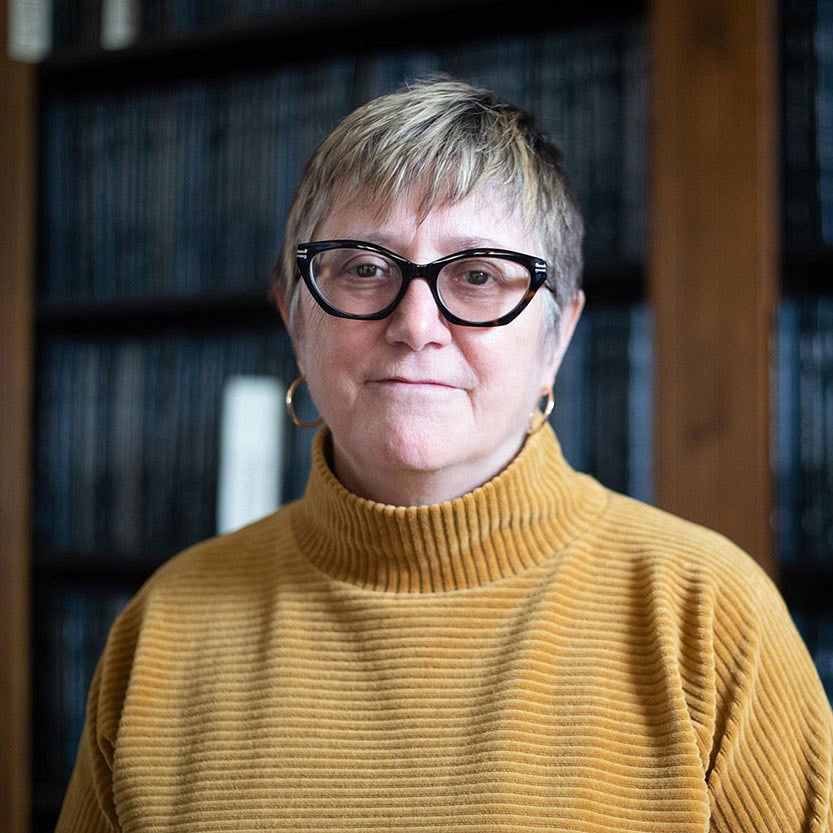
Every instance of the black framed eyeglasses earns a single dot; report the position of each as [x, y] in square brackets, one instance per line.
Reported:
[475, 287]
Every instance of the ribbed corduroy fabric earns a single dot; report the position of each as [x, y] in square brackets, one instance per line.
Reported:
[539, 655]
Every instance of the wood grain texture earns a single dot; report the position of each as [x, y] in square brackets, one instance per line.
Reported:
[17, 199]
[714, 260]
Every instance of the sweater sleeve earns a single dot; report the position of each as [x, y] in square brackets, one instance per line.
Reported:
[771, 766]
[88, 803]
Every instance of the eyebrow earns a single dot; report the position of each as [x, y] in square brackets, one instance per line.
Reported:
[452, 244]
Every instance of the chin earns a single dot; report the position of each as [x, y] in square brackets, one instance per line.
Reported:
[455, 461]
[427, 457]
[412, 449]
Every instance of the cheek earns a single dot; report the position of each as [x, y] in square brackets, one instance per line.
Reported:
[509, 369]
[309, 338]
[311, 353]
[528, 352]
[331, 353]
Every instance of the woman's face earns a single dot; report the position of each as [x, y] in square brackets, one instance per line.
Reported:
[420, 410]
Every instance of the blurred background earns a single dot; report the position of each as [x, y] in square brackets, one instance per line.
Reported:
[148, 154]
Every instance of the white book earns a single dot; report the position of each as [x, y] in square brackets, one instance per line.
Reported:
[30, 30]
[119, 23]
[251, 450]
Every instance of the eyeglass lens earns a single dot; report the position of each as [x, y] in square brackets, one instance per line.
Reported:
[475, 289]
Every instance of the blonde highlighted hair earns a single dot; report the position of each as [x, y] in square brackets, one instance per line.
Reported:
[439, 141]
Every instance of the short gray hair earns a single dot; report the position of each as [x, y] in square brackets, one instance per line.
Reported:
[440, 140]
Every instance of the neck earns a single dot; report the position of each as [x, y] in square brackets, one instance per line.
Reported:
[531, 510]
[383, 482]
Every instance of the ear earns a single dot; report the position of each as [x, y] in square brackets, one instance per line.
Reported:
[569, 320]
[570, 316]
[280, 299]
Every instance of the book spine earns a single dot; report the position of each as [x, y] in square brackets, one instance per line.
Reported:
[29, 30]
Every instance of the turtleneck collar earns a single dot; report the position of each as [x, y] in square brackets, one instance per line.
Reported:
[532, 510]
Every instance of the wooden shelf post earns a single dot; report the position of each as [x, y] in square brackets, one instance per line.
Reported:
[17, 210]
[713, 261]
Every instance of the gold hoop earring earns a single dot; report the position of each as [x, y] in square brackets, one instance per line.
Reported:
[290, 407]
[538, 419]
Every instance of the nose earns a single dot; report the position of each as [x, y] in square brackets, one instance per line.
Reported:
[417, 320]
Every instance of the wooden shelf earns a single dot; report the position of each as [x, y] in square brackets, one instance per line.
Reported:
[215, 312]
[714, 262]
[17, 246]
[299, 36]
[109, 570]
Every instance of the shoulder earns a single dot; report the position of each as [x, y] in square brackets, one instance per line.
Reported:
[228, 563]
[209, 586]
[699, 586]
[222, 586]
[683, 551]
[719, 609]
[724, 627]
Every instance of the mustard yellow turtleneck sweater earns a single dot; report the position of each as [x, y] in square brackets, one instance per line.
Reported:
[539, 655]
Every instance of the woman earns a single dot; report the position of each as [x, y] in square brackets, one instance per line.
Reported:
[452, 630]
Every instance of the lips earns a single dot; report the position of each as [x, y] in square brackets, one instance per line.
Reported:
[417, 376]
[402, 380]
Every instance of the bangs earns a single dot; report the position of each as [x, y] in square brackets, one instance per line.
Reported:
[443, 153]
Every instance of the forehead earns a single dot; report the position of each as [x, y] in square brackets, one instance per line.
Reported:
[483, 218]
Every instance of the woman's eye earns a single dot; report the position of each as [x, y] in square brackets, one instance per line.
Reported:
[477, 277]
[367, 270]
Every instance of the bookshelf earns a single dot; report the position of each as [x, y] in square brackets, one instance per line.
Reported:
[712, 260]
[803, 441]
